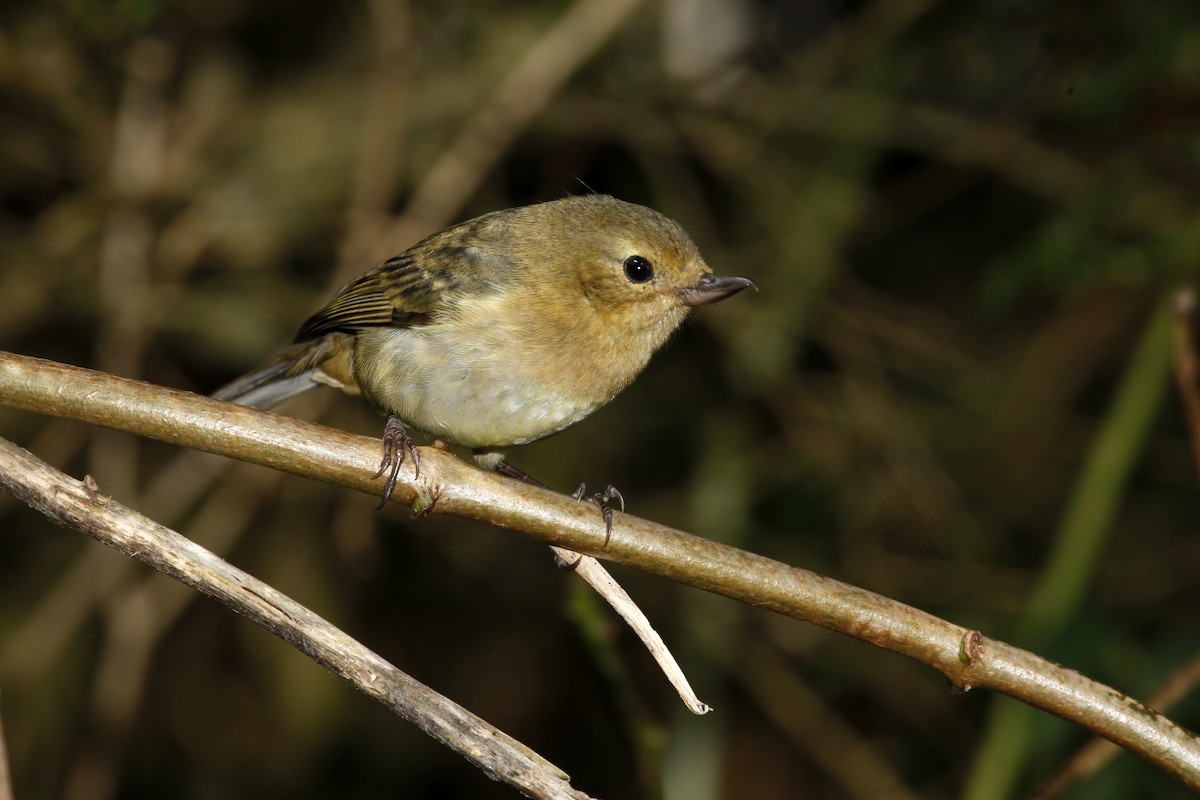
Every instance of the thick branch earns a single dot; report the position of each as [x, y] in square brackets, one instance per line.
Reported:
[448, 485]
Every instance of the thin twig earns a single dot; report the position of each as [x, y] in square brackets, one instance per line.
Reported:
[448, 485]
[592, 571]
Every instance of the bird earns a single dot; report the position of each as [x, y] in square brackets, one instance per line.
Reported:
[500, 330]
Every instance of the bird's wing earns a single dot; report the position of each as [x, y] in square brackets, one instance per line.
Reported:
[408, 289]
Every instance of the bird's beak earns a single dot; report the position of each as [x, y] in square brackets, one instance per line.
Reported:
[711, 288]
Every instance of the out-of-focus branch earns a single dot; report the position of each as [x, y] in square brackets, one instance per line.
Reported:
[139, 611]
[1078, 544]
[450, 486]
[1094, 755]
[847, 757]
[1187, 364]
[525, 91]
[82, 506]
[381, 147]
[6, 789]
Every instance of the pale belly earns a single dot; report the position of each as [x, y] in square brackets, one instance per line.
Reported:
[471, 391]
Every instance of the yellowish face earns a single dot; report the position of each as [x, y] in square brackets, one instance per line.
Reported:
[613, 271]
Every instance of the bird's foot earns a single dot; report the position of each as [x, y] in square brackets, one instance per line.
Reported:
[396, 442]
[604, 500]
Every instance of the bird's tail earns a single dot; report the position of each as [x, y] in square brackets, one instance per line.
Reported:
[290, 373]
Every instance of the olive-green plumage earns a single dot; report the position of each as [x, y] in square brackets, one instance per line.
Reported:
[505, 328]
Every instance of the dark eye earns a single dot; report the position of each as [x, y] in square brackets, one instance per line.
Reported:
[638, 269]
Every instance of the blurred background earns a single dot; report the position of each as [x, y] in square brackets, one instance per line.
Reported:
[953, 388]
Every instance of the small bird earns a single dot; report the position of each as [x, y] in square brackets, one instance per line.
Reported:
[500, 330]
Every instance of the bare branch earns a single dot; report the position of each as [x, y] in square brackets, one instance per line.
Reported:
[82, 506]
[447, 485]
[524, 92]
[596, 576]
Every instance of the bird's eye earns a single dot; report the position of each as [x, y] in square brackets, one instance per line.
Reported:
[638, 269]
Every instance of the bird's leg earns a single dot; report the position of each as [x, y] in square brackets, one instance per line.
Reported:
[513, 471]
[604, 500]
[395, 442]
[601, 499]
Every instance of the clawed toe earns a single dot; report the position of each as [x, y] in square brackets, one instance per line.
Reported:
[604, 500]
[396, 442]
[567, 565]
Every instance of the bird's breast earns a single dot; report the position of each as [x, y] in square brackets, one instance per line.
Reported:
[483, 386]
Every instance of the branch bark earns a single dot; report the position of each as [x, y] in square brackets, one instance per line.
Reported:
[448, 485]
[82, 506]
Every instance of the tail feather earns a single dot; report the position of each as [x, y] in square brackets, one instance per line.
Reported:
[270, 385]
[258, 392]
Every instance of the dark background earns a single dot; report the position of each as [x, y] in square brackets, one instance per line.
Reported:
[962, 218]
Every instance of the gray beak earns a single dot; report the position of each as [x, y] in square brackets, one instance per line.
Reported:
[711, 288]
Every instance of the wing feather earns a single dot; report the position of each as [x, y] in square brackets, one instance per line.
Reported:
[411, 288]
